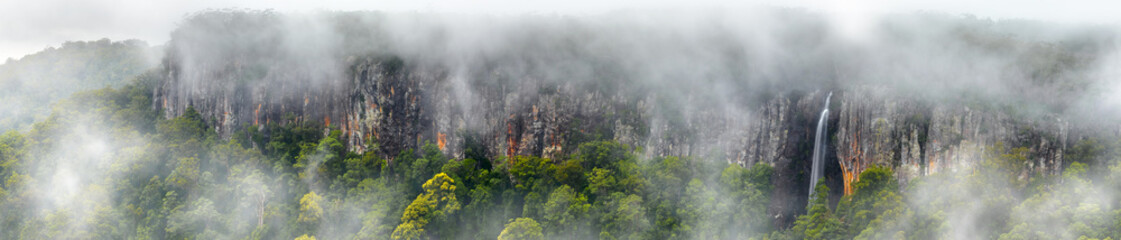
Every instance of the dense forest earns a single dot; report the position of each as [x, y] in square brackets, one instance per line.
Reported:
[119, 171]
[111, 163]
[29, 85]
[134, 175]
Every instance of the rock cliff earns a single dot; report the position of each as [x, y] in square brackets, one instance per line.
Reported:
[550, 94]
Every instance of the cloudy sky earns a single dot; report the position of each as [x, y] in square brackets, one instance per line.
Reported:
[27, 26]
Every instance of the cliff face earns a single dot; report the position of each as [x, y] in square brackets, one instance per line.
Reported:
[383, 102]
[395, 106]
[916, 138]
[721, 97]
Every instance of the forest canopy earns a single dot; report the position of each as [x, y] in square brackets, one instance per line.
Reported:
[88, 151]
[145, 177]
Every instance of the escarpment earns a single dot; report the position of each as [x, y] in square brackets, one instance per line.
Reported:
[541, 91]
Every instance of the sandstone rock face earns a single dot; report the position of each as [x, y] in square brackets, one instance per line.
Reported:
[915, 138]
[386, 103]
[392, 84]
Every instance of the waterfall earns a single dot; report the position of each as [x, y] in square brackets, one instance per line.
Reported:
[819, 146]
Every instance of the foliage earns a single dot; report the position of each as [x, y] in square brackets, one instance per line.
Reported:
[565, 211]
[819, 222]
[175, 178]
[310, 211]
[30, 85]
[522, 229]
[874, 192]
[434, 205]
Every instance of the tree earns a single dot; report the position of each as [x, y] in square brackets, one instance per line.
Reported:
[435, 204]
[320, 162]
[818, 222]
[186, 173]
[12, 150]
[528, 171]
[196, 221]
[383, 201]
[1073, 209]
[416, 216]
[600, 182]
[612, 156]
[522, 229]
[747, 192]
[571, 172]
[564, 210]
[441, 189]
[873, 194]
[32, 84]
[255, 192]
[624, 217]
[310, 211]
[189, 126]
[363, 167]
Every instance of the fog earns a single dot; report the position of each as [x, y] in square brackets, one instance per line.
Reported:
[697, 77]
[33, 25]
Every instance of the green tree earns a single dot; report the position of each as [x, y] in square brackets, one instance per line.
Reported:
[744, 209]
[625, 217]
[186, 173]
[819, 221]
[522, 229]
[529, 171]
[310, 210]
[1073, 209]
[565, 210]
[13, 148]
[435, 204]
[196, 221]
[874, 192]
[601, 182]
[31, 84]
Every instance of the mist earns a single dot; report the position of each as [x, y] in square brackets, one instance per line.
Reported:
[690, 123]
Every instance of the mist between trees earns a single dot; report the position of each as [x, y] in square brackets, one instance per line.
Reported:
[122, 163]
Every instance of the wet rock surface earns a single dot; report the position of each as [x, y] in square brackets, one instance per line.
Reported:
[393, 105]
